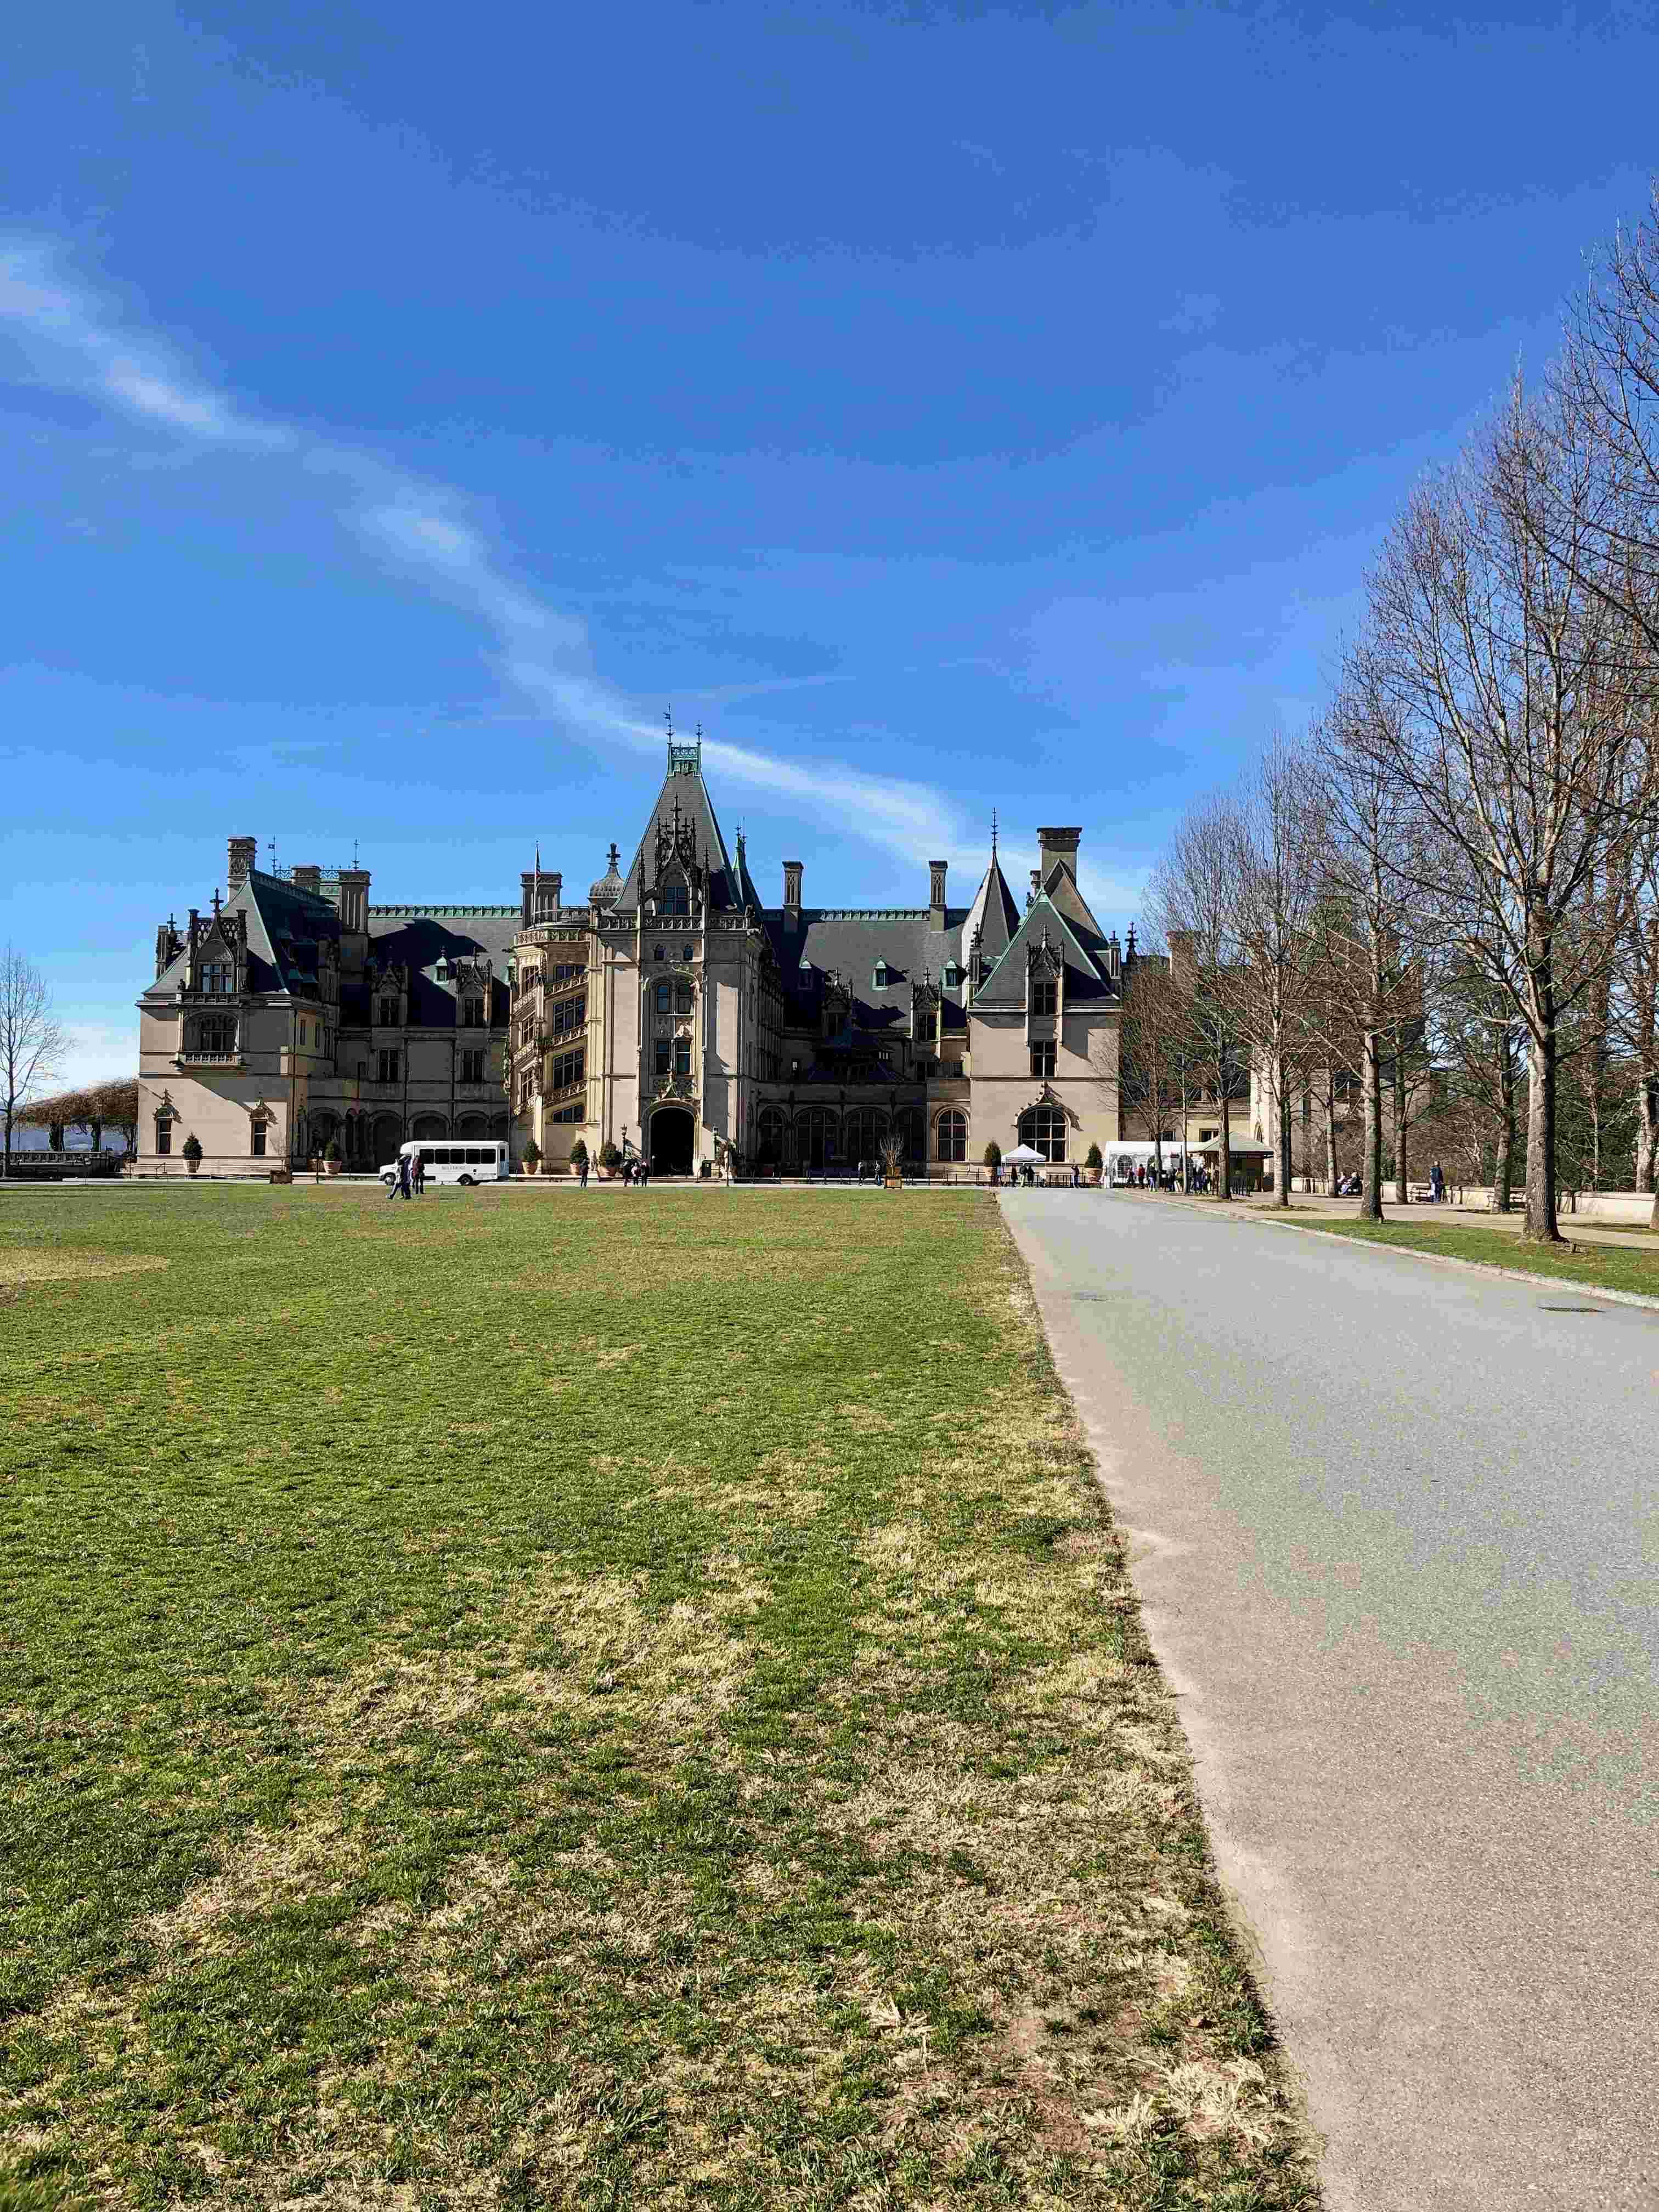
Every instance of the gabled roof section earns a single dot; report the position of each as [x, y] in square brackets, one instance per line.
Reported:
[1046, 921]
[993, 913]
[683, 823]
[1061, 886]
[284, 926]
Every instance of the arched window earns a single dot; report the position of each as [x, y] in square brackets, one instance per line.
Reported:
[817, 1137]
[907, 1126]
[950, 1135]
[664, 997]
[1043, 1127]
[769, 1129]
[683, 995]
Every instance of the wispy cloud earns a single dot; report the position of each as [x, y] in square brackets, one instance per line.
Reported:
[78, 339]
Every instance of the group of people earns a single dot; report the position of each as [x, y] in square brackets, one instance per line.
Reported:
[635, 1173]
[1022, 1171]
[411, 1176]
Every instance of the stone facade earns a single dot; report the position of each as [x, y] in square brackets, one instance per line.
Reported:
[668, 1013]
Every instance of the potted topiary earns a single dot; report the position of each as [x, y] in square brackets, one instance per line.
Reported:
[334, 1157]
[192, 1151]
[578, 1157]
[610, 1159]
[1093, 1161]
[993, 1158]
[532, 1157]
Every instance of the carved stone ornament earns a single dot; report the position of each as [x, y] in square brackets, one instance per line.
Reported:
[672, 1086]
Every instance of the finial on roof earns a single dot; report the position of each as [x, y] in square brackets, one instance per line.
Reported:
[216, 898]
[271, 847]
[613, 856]
[993, 833]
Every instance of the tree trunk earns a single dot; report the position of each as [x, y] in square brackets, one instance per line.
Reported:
[1541, 1088]
[1329, 1104]
[1647, 1130]
[1401, 1194]
[1224, 1180]
[1371, 1196]
[1284, 1134]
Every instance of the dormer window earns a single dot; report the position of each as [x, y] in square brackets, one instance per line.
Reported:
[442, 971]
[472, 1013]
[218, 978]
[805, 967]
[388, 1014]
[674, 898]
[878, 979]
[951, 978]
[1044, 995]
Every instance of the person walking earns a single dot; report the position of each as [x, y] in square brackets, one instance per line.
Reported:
[418, 1174]
[581, 1176]
[403, 1175]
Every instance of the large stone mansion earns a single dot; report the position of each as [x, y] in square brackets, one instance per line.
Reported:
[670, 1012]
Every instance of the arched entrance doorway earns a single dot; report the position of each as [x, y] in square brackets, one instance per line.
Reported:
[670, 1141]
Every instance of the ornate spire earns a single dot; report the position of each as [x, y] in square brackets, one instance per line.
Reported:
[993, 833]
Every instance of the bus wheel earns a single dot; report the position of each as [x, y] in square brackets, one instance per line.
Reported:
[466, 1182]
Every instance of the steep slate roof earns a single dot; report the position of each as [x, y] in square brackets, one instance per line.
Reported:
[1059, 916]
[993, 913]
[684, 788]
[283, 926]
[851, 940]
[423, 936]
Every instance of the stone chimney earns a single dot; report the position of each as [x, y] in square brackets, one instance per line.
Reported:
[792, 886]
[353, 902]
[307, 880]
[936, 893]
[1036, 885]
[1058, 845]
[243, 851]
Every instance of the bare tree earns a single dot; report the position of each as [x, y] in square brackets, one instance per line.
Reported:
[1363, 913]
[117, 1106]
[1154, 1046]
[32, 1044]
[1511, 720]
[1195, 900]
[1276, 878]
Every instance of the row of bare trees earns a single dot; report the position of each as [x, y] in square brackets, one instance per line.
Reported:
[34, 1045]
[1460, 861]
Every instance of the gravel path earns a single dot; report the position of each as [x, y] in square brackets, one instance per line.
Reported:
[1395, 1528]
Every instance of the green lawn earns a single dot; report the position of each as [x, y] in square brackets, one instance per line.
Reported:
[525, 1700]
[1595, 1267]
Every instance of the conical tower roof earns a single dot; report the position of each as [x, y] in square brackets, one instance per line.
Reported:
[993, 914]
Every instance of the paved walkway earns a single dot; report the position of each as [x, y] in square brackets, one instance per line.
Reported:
[1396, 1529]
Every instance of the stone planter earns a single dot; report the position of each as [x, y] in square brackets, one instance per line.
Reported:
[895, 1183]
[334, 1166]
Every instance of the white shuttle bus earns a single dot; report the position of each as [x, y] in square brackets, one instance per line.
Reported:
[452, 1159]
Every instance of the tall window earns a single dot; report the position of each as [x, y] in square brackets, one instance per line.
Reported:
[683, 995]
[569, 1067]
[1045, 994]
[388, 1014]
[472, 1066]
[950, 1140]
[570, 1014]
[682, 1055]
[664, 997]
[258, 1140]
[674, 898]
[663, 1056]
[163, 1136]
[769, 1134]
[218, 979]
[1043, 1127]
[391, 1064]
[1042, 1059]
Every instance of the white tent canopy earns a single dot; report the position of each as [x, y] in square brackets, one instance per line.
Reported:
[1025, 1156]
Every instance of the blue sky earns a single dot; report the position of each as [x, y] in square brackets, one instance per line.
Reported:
[950, 408]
